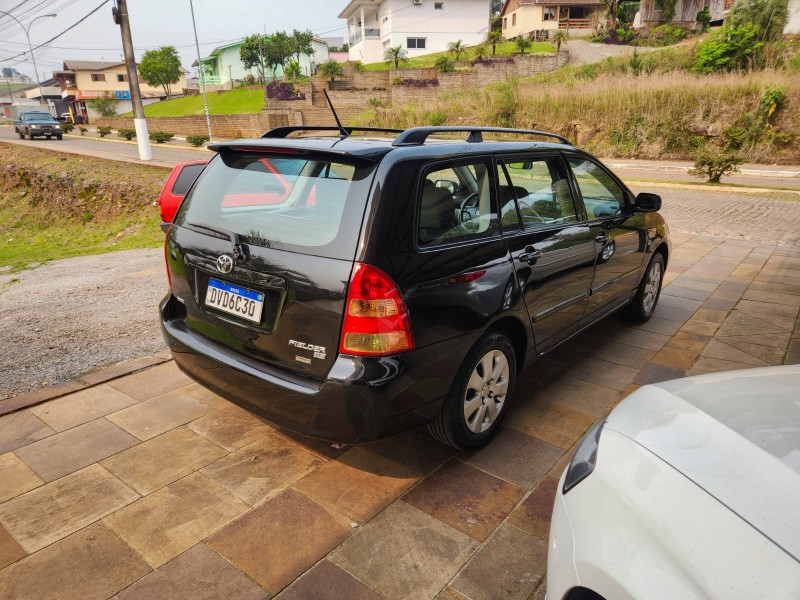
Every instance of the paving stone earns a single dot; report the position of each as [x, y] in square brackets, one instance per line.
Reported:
[465, 498]
[152, 382]
[621, 354]
[725, 351]
[731, 295]
[20, 429]
[263, 469]
[783, 288]
[231, 429]
[699, 327]
[75, 448]
[199, 574]
[170, 521]
[665, 300]
[766, 307]
[207, 397]
[533, 514]
[772, 355]
[689, 341]
[683, 292]
[449, 593]
[671, 313]
[640, 339]
[323, 449]
[158, 415]
[276, 542]
[120, 369]
[16, 477]
[415, 449]
[695, 284]
[404, 553]
[664, 326]
[510, 565]
[719, 304]
[556, 425]
[601, 372]
[17, 403]
[677, 358]
[793, 354]
[357, 485]
[326, 581]
[515, 457]
[155, 463]
[714, 365]
[583, 396]
[82, 407]
[53, 511]
[10, 550]
[768, 322]
[711, 316]
[655, 373]
[771, 297]
[90, 564]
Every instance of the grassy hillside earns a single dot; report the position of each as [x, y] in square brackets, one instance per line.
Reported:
[423, 62]
[238, 101]
[664, 111]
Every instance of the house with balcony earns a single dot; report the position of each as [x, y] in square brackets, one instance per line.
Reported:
[526, 17]
[223, 67]
[419, 26]
[82, 80]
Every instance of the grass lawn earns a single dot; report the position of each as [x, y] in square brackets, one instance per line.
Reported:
[422, 62]
[232, 102]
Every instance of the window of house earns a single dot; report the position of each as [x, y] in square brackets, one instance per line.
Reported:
[122, 78]
[98, 77]
[549, 13]
[415, 43]
[541, 190]
[505, 22]
[513, 19]
[438, 5]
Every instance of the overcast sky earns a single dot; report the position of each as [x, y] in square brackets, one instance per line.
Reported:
[154, 23]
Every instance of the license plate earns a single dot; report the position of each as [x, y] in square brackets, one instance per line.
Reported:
[235, 300]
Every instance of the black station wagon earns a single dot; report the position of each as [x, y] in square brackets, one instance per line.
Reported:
[348, 287]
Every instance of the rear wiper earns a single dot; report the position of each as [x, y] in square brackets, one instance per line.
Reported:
[239, 249]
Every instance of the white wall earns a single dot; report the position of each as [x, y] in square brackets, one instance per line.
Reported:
[793, 22]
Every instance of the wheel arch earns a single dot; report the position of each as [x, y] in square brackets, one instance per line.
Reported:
[514, 330]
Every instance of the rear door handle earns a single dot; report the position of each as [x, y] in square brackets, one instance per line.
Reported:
[531, 255]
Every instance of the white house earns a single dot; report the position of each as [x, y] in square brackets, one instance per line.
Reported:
[419, 26]
[793, 20]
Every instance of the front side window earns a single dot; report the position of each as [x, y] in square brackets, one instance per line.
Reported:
[306, 205]
[456, 205]
[602, 196]
[542, 192]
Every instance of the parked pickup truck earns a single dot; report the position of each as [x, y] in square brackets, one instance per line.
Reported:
[38, 124]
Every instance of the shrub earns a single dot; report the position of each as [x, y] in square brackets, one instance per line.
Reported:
[67, 127]
[83, 130]
[714, 167]
[732, 48]
[283, 90]
[159, 137]
[636, 63]
[413, 82]
[437, 118]
[445, 64]
[128, 134]
[197, 140]
[663, 35]
[103, 130]
[106, 105]
[704, 18]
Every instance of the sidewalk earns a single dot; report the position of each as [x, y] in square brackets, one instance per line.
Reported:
[146, 485]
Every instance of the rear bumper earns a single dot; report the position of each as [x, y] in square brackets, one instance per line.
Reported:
[362, 399]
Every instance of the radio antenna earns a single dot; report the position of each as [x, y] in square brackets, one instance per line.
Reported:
[335, 116]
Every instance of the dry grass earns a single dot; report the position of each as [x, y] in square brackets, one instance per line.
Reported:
[610, 111]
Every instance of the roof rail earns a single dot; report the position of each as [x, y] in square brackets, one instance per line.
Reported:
[417, 135]
[282, 132]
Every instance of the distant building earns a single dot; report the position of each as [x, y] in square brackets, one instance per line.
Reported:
[82, 80]
[524, 17]
[650, 11]
[224, 65]
[793, 22]
[418, 26]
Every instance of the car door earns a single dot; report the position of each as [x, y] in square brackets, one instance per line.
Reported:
[619, 235]
[552, 247]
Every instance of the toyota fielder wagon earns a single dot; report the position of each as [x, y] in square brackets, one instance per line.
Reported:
[348, 287]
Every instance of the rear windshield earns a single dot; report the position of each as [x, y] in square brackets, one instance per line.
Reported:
[303, 204]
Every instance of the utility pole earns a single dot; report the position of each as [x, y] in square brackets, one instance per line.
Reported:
[120, 13]
[202, 80]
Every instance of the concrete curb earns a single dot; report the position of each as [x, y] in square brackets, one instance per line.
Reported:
[83, 382]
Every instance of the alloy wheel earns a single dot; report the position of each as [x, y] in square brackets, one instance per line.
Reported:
[486, 391]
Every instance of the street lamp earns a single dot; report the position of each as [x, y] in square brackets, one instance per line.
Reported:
[30, 47]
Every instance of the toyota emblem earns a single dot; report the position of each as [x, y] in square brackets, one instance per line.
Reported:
[225, 263]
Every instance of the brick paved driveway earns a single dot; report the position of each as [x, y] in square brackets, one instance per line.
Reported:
[148, 486]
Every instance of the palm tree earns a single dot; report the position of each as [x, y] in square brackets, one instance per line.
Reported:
[559, 37]
[293, 70]
[523, 44]
[456, 48]
[331, 69]
[445, 64]
[396, 55]
[494, 37]
[480, 52]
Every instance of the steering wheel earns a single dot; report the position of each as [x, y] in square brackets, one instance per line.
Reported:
[469, 208]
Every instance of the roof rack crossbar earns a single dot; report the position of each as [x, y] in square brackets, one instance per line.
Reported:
[282, 132]
[416, 136]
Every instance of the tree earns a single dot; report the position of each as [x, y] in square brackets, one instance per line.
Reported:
[251, 53]
[332, 69]
[300, 42]
[494, 37]
[161, 67]
[105, 106]
[445, 64]
[293, 70]
[278, 50]
[480, 52]
[456, 48]
[396, 55]
[559, 37]
[523, 44]
[7, 72]
[768, 16]
[497, 6]
[613, 12]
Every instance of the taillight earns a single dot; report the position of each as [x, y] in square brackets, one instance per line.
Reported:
[376, 321]
[166, 261]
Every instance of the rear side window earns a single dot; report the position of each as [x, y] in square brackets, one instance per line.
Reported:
[303, 204]
[186, 178]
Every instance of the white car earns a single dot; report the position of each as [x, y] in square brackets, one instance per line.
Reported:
[689, 489]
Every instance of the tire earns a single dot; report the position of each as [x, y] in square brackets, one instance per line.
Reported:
[21, 135]
[30, 135]
[644, 302]
[60, 136]
[468, 428]
[49, 137]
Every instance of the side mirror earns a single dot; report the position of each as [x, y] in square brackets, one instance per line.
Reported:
[646, 202]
